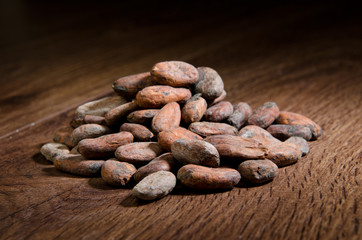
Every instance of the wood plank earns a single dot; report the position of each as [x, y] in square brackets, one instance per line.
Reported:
[306, 59]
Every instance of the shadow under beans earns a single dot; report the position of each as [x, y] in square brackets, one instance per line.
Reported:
[245, 184]
[132, 201]
[39, 158]
[99, 183]
[180, 190]
[53, 172]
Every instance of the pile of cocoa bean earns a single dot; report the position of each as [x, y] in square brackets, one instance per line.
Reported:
[173, 121]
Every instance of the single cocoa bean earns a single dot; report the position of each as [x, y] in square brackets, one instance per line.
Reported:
[99, 107]
[63, 135]
[167, 118]
[301, 143]
[264, 115]
[217, 100]
[219, 111]
[283, 154]
[194, 109]
[154, 186]
[209, 83]
[158, 96]
[291, 118]
[205, 129]
[51, 150]
[103, 147]
[116, 115]
[200, 177]
[78, 165]
[240, 115]
[259, 134]
[140, 132]
[117, 173]
[235, 147]
[257, 171]
[175, 73]
[139, 152]
[166, 138]
[88, 131]
[198, 152]
[283, 131]
[129, 86]
[164, 162]
[142, 116]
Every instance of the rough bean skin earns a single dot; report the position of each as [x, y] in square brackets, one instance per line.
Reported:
[258, 171]
[219, 111]
[116, 115]
[301, 143]
[174, 73]
[166, 138]
[99, 107]
[200, 177]
[140, 132]
[159, 95]
[78, 165]
[259, 134]
[142, 116]
[217, 100]
[103, 147]
[194, 109]
[298, 119]
[88, 131]
[167, 118]
[155, 185]
[240, 115]
[88, 119]
[283, 131]
[264, 115]
[63, 135]
[117, 173]
[235, 147]
[51, 150]
[283, 154]
[209, 84]
[164, 162]
[129, 86]
[138, 152]
[198, 152]
[205, 129]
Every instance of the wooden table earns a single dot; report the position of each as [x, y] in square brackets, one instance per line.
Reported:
[307, 58]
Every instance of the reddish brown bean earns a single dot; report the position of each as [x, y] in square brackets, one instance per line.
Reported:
[219, 111]
[139, 152]
[166, 138]
[115, 116]
[205, 129]
[194, 109]
[167, 118]
[240, 115]
[264, 115]
[140, 132]
[129, 86]
[117, 173]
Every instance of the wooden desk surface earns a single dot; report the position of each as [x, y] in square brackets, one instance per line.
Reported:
[306, 58]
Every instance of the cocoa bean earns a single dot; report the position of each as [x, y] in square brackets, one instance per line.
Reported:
[198, 152]
[129, 86]
[166, 138]
[142, 116]
[194, 109]
[283, 154]
[88, 131]
[117, 173]
[116, 115]
[175, 73]
[235, 147]
[219, 111]
[51, 150]
[291, 118]
[257, 171]
[259, 134]
[164, 162]
[63, 135]
[139, 152]
[264, 115]
[154, 186]
[240, 115]
[103, 147]
[301, 143]
[217, 100]
[167, 118]
[158, 96]
[88, 119]
[209, 83]
[205, 129]
[200, 177]
[283, 131]
[140, 132]
[99, 107]
[78, 165]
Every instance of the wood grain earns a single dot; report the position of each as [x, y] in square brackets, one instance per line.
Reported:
[307, 58]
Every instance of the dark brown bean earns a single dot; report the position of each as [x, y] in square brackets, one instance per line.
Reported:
[116, 115]
[240, 115]
[209, 84]
[283, 131]
[264, 115]
[142, 116]
[258, 171]
[117, 173]
[129, 86]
